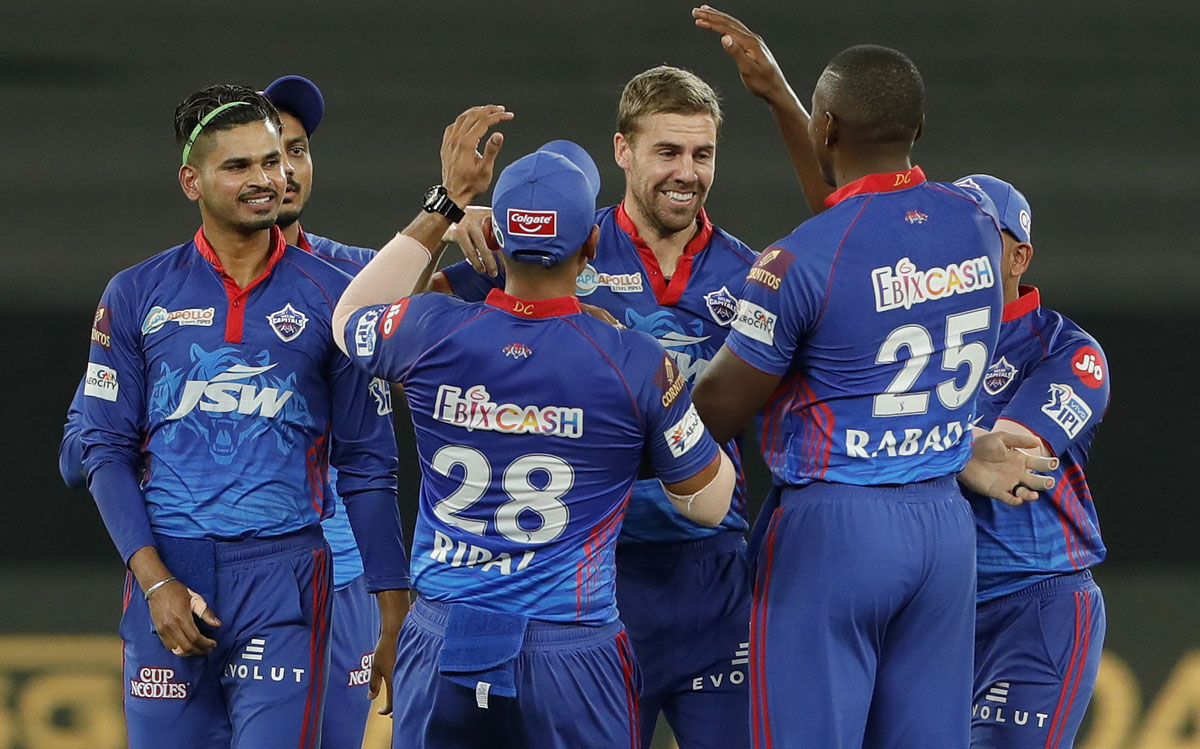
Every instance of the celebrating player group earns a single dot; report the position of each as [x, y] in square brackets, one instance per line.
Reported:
[580, 385]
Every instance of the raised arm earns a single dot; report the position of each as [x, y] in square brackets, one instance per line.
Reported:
[763, 77]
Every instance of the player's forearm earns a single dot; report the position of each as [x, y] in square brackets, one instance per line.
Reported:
[375, 520]
[122, 507]
[710, 504]
[792, 119]
[393, 607]
[391, 275]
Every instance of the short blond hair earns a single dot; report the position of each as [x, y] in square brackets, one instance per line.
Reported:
[665, 90]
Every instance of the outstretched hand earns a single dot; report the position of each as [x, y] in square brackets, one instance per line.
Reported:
[466, 172]
[760, 73]
[999, 469]
[472, 236]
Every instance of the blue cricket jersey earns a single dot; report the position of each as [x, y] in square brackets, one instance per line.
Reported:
[880, 314]
[234, 401]
[1050, 376]
[532, 420]
[689, 314]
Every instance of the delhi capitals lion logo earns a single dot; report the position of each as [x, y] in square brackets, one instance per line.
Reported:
[228, 403]
[683, 339]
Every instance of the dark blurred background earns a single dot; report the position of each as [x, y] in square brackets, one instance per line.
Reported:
[1089, 108]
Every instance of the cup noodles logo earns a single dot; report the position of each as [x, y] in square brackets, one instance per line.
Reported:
[522, 223]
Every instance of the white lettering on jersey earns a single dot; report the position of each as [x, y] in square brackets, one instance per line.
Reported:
[225, 395]
[157, 684]
[157, 317]
[904, 443]
[903, 286]
[685, 434]
[364, 333]
[590, 279]
[101, 382]
[462, 554]
[475, 410]
[1067, 410]
[755, 322]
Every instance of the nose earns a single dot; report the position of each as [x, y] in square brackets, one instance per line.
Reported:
[687, 169]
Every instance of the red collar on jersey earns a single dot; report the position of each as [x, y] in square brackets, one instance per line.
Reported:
[886, 182]
[533, 309]
[1029, 300]
[237, 294]
[302, 241]
[667, 293]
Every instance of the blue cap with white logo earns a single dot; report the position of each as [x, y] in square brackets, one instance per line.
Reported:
[299, 96]
[544, 204]
[1011, 206]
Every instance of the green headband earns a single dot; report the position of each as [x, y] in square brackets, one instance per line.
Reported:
[187, 149]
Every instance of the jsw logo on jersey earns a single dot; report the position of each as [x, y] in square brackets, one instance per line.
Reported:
[224, 393]
[903, 286]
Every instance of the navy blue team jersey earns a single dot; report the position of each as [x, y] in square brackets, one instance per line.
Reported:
[226, 395]
[689, 314]
[347, 562]
[1050, 376]
[531, 420]
[881, 314]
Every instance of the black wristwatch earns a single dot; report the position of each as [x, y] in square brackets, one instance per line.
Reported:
[437, 200]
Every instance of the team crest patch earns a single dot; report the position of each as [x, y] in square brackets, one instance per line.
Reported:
[1067, 410]
[288, 322]
[998, 375]
[518, 351]
[722, 305]
[915, 217]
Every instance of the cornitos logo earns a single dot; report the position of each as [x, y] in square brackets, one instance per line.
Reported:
[755, 322]
[157, 317]
[903, 286]
[475, 410]
[101, 382]
[684, 434]
[224, 393]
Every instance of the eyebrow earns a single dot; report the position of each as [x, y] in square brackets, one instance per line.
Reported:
[678, 146]
[245, 160]
[296, 140]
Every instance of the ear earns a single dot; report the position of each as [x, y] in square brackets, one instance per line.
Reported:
[621, 149]
[189, 180]
[588, 250]
[1022, 256]
[828, 127]
[920, 130]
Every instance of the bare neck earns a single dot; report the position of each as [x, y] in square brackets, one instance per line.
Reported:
[1012, 289]
[850, 166]
[291, 233]
[534, 284]
[243, 256]
[667, 246]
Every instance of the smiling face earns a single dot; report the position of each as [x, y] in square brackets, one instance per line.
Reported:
[299, 170]
[669, 162]
[238, 177]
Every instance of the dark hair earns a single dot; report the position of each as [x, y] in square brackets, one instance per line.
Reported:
[668, 90]
[877, 92]
[192, 109]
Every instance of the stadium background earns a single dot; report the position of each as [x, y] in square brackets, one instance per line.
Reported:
[1090, 108]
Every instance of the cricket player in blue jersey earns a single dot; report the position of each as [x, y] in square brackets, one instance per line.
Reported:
[532, 420]
[662, 267]
[214, 375]
[1039, 624]
[864, 336]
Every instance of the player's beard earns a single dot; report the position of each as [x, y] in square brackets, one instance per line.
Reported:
[289, 213]
[664, 218]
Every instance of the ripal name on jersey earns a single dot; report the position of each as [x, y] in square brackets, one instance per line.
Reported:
[157, 317]
[903, 286]
[101, 382]
[226, 393]
[684, 434]
[474, 409]
[904, 443]
[590, 279]
[447, 550]
[1067, 409]
[755, 322]
[364, 333]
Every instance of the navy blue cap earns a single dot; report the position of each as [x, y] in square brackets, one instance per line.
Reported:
[299, 96]
[544, 204]
[1011, 206]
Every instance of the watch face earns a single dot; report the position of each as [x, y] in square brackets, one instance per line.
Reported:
[432, 195]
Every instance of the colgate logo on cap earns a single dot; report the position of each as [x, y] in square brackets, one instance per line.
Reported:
[522, 223]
